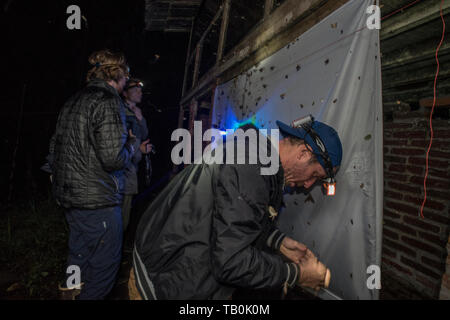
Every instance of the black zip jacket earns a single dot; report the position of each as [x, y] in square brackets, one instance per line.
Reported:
[209, 232]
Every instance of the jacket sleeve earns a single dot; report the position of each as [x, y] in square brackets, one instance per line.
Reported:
[51, 151]
[275, 238]
[144, 128]
[143, 136]
[109, 135]
[241, 199]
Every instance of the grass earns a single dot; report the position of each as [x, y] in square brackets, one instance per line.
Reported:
[33, 246]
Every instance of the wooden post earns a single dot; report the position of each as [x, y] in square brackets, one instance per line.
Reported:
[202, 38]
[198, 52]
[223, 30]
[212, 23]
[213, 93]
[186, 66]
[192, 115]
[180, 125]
[266, 38]
[198, 58]
[180, 117]
[268, 8]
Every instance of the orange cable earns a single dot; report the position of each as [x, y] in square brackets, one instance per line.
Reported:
[432, 110]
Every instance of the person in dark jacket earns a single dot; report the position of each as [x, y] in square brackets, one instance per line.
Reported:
[212, 229]
[89, 151]
[136, 122]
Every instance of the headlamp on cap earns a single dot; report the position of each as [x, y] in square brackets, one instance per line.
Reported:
[329, 183]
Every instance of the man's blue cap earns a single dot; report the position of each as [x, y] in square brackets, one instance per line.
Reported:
[326, 133]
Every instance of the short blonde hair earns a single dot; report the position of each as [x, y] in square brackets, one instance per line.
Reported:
[107, 66]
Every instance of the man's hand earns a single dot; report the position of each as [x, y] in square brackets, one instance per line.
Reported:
[313, 273]
[293, 250]
[145, 147]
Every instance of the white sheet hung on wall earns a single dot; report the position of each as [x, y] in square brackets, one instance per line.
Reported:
[333, 72]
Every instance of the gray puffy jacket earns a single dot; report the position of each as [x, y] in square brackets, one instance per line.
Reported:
[90, 149]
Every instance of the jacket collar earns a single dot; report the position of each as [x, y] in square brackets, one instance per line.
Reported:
[102, 84]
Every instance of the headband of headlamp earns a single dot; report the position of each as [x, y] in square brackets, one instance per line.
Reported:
[306, 124]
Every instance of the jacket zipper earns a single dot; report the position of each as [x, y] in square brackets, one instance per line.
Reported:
[116, 183]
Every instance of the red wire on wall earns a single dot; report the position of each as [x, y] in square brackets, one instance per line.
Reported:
[434, 94]
[431, 114]
[401, 9]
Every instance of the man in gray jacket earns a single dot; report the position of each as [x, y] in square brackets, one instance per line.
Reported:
[88, 152]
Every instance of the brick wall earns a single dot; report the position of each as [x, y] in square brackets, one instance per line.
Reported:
[445, 288]
[414, 249]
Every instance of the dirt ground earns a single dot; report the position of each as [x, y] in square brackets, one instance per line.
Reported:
[33, 246]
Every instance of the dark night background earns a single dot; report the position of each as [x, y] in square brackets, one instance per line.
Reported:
[46, 63]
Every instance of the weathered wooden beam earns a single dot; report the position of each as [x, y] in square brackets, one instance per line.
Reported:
[223, 30]
[414, 53]
[180, 2]
[285, 36]
[205, 91]
[440, 102]
[169, 12]
[418, 68]
[268, 6]
[193, 108]
[415, 94]
[198, 58]
[180, 116]
[212, 23]
[184, 30]
[186, 66]
[286, 23]
[180, 125]
[414, 17]
[179, 18]
[213, 97]
[406, 79]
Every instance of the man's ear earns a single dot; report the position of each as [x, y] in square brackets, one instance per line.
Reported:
[302, 152]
